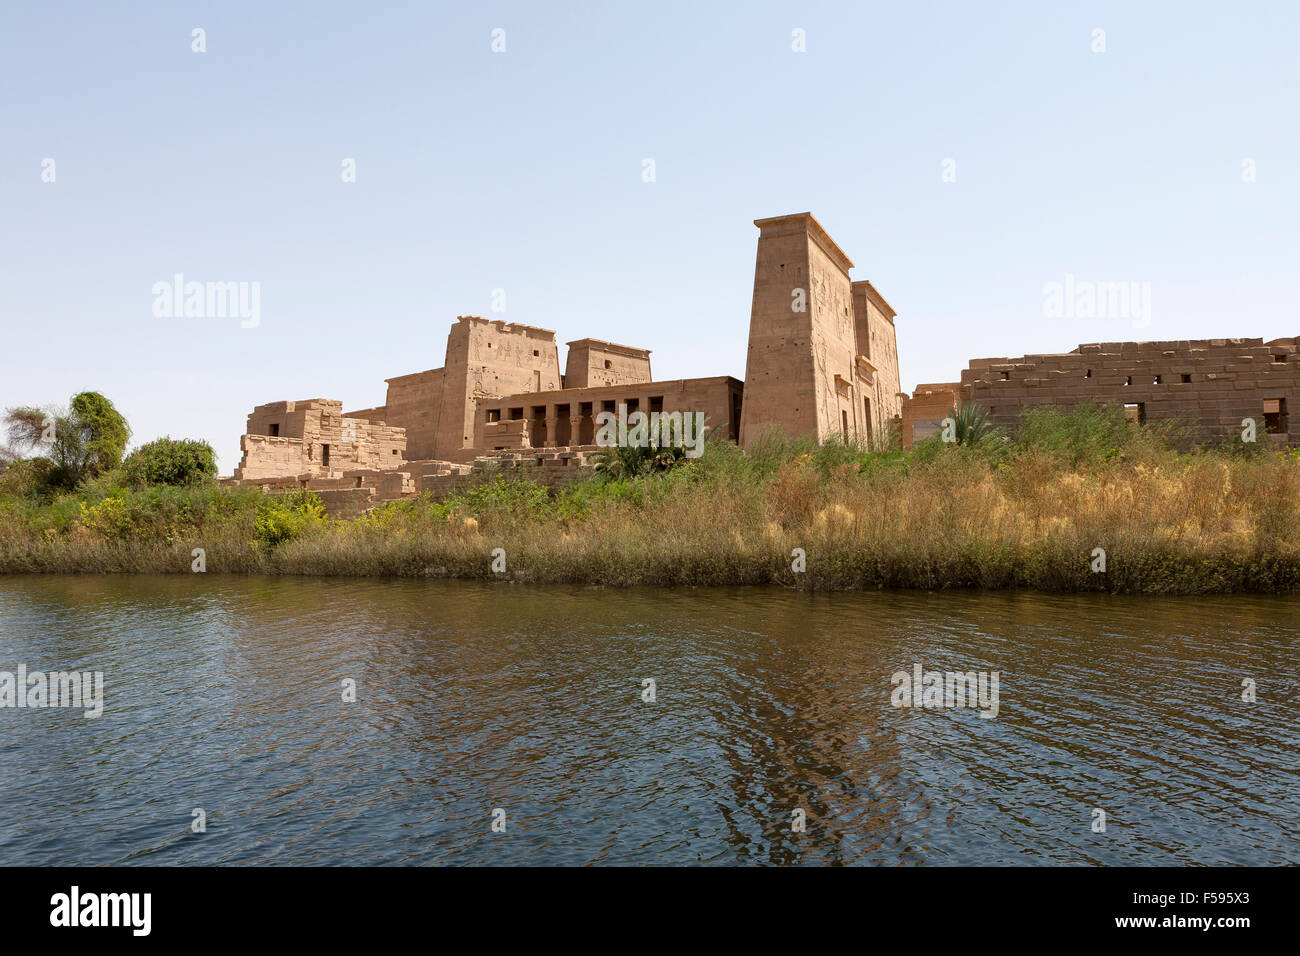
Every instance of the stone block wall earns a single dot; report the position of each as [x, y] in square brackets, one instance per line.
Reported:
[567, 417]
[413, 404]
[877, 342]
[593, 362]
[1212, 383]
[313, 436]
[924, 411]
[822, 358]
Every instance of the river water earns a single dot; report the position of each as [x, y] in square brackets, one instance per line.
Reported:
[226, 695]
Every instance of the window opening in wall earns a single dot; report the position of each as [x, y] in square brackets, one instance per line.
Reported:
[516, 414]
[273, 430]
[325, 456]
[1275, 416]
[608, 364]
[1088, 374]
[1157, 380]
[1129, 380]
[632, 405]
[536, 353]
[494, 414]
[1279, 358]
[1136, 413]
[656, 403]
[844, 422]
[1006, 376]
[1186, 377]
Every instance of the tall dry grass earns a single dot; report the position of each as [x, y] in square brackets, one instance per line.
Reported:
[1003, 512]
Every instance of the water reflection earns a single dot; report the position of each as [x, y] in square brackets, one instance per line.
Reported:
[224, 693]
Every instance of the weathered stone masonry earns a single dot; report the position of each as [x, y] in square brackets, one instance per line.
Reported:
[1213, 384]
[822, 361]
[500, 400]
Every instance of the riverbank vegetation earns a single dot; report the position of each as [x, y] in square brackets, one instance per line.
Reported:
[1082, 501]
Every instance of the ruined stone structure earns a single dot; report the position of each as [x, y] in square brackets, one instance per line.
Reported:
[568, 416]
[315, 438]
[822, 355]
[926, 408]
[1212, 384]
[822, 361]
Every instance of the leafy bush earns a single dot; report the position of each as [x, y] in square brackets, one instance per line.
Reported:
[86, 441]
[503, 497]
[26, 479]
[971, 423]
[169, 461]
[282, 518]
[111, 518]
[103, 433]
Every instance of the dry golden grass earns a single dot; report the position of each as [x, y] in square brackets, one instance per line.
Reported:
[1169, 523]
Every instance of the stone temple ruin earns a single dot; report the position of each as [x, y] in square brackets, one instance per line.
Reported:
[1214, 385]
[822, 362]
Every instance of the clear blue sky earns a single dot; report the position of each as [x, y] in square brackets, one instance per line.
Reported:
[522, 171]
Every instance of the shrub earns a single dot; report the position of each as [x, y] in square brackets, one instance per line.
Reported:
[169, 461]
[26, 479]
[103, 431]
[86, 441]
[282, 518]
[971, 423]
[503, 497]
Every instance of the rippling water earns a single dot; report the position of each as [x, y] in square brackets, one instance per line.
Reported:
[224, 694]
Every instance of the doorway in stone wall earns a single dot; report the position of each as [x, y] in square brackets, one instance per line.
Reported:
[562, 424]
[537, 431]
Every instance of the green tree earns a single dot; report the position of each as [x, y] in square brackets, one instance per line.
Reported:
[104, 433]
[169, 461]
[82, 442]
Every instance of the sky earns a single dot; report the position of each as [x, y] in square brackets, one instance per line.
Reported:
[965, 157]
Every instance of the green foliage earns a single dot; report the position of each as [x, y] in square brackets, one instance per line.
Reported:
[1093, 433]
[168, 461]
[662, 453]
[28, 478]
[992, 511]
[282, 518]
[971, 423]
[103, 433]
[83, 442]
[501, 496]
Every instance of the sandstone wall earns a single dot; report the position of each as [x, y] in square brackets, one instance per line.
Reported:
[923, 412]
[780, 375]
[592, 363]
[566, 417]
[831, 370]
[877, 341]
[1213, 383]
[487, 358]
[313, 437]
[414, 403]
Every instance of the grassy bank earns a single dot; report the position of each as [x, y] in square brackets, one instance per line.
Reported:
[1015, 510]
